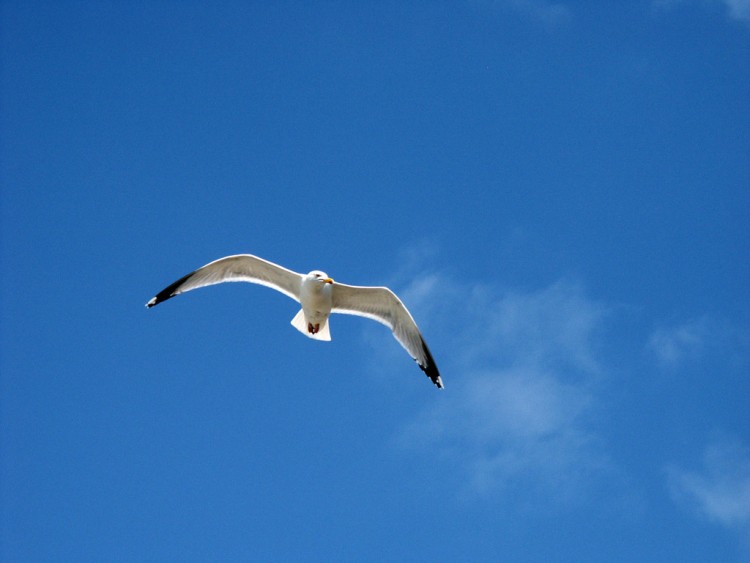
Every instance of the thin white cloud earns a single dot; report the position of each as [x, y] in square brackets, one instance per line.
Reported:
[737, 10]
[524, 416]
[720, 489]
[698, 339]
[673, 345]
[554, 326]
[521, 414]
[515, 428]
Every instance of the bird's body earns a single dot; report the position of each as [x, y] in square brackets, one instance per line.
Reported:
[316, 299]
[319, 296]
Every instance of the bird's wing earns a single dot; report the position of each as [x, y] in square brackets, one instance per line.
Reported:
[241, 267]
[382, 305]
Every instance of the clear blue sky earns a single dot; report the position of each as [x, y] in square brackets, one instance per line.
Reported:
[559, 191]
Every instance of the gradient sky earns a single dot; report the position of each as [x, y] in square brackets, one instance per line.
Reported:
[560, 193]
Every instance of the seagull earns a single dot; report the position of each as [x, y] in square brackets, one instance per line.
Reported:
[319, 296]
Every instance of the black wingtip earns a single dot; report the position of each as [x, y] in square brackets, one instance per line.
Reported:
[430, 368]
[155, 301]
[158, 299]
[167, 292]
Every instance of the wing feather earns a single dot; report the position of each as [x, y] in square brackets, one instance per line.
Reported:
[382, 305]
[237, 268]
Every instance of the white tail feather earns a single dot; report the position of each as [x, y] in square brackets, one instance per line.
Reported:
[300, 323]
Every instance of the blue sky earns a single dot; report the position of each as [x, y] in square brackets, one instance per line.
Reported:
[559, 191]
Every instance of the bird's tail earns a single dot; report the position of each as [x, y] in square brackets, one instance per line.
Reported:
[301, 324]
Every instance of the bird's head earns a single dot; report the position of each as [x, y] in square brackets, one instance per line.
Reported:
[322, 277]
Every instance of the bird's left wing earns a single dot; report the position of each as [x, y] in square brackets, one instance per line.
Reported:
[382, 305]
[241, 267]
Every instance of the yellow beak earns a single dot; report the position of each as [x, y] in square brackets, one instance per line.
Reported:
[328, 280]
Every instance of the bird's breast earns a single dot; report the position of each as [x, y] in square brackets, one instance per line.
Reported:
[316, 300]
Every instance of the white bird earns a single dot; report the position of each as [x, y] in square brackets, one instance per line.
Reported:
[319, 296]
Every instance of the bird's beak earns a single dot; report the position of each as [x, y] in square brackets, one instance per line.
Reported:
[327, 280]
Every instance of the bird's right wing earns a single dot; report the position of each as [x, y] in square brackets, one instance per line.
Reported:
[382, 305]
[241, 267]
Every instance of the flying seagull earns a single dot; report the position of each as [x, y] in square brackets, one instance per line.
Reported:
[319, 296]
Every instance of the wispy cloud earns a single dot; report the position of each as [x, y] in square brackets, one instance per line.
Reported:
[737, 10]
[673, 345]
[514, 429]
[720, 489]
[529, 377]
[697, 339]
[555, 326]
[522, 410]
